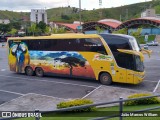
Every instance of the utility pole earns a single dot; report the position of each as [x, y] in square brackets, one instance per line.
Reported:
[126, 14]
[100, 6]
[68, 3]
[100, 3]
[120, 17]
[80, 18]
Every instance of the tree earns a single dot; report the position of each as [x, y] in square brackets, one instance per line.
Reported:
[58, 30]
[32, 28]
[136, 33]
[99, 30]
[72, 62]
[38, 31]
[16, 25]
[121, 31]
[65, 17]
[47, 30]
[13, 31]
[62, 30]
[42, 26]
[4, 28]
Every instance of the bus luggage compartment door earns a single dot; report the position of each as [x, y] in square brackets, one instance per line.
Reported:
[130, 76]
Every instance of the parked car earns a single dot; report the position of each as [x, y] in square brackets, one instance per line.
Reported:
[145, 46]
[152, 43]
[3, 38]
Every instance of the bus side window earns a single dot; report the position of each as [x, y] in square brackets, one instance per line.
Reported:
[77, 41]
[53, 44]
[81, 46]
[48, 45]
[95, 45]
[72, 45]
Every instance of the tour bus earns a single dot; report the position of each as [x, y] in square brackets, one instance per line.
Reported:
[74, 55]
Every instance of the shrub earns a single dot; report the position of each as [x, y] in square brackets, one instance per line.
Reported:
[145, 101]
[141, 39]
[77, 102]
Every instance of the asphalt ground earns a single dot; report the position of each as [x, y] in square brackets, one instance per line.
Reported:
[14, 85]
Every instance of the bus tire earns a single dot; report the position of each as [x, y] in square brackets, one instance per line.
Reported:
[105, 79]
[39, 72]
[29, 71]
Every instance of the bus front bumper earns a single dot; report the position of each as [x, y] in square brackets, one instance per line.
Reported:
[139, 77]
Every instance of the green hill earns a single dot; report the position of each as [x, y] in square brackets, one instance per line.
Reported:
[126, 12]
[13, 16]
[70, 14]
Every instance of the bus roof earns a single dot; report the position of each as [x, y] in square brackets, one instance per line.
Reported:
[57, 36]
[119, 35]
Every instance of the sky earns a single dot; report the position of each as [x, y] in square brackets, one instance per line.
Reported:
[27, 5]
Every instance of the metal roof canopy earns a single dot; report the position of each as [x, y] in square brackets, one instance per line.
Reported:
[140, 21]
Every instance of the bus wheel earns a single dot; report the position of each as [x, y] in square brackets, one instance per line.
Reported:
[39, 72]
[105, 79]
[29, 71]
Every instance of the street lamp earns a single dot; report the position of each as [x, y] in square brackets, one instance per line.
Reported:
[79, 28]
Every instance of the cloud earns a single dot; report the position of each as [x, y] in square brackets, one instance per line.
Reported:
[27, 5]
[23, 5]
[18, 4]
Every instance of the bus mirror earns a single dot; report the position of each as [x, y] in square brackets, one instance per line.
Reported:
[149, 52]
[132, 52]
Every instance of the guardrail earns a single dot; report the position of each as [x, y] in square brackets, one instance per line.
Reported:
[120, 101]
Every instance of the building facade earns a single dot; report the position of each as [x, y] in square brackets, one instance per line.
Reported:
[150, 13]
[4, 21]
[38, 15]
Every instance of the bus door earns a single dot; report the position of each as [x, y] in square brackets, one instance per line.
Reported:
[130, 64]
[120, 72]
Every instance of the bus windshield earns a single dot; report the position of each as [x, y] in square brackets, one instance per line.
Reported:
[139, 64]
[134, 44]
[121, 42]
[129, 61]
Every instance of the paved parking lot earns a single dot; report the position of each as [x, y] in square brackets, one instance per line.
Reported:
[15, 85]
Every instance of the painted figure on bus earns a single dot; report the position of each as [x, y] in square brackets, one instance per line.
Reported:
[19, 56]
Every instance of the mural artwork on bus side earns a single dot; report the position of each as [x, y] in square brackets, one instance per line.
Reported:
[101, 57]
[18, 56]
[61, 62]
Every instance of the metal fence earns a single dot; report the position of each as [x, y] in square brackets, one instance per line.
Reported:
[120, 112]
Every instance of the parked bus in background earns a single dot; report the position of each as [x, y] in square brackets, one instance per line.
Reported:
[74, 55]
